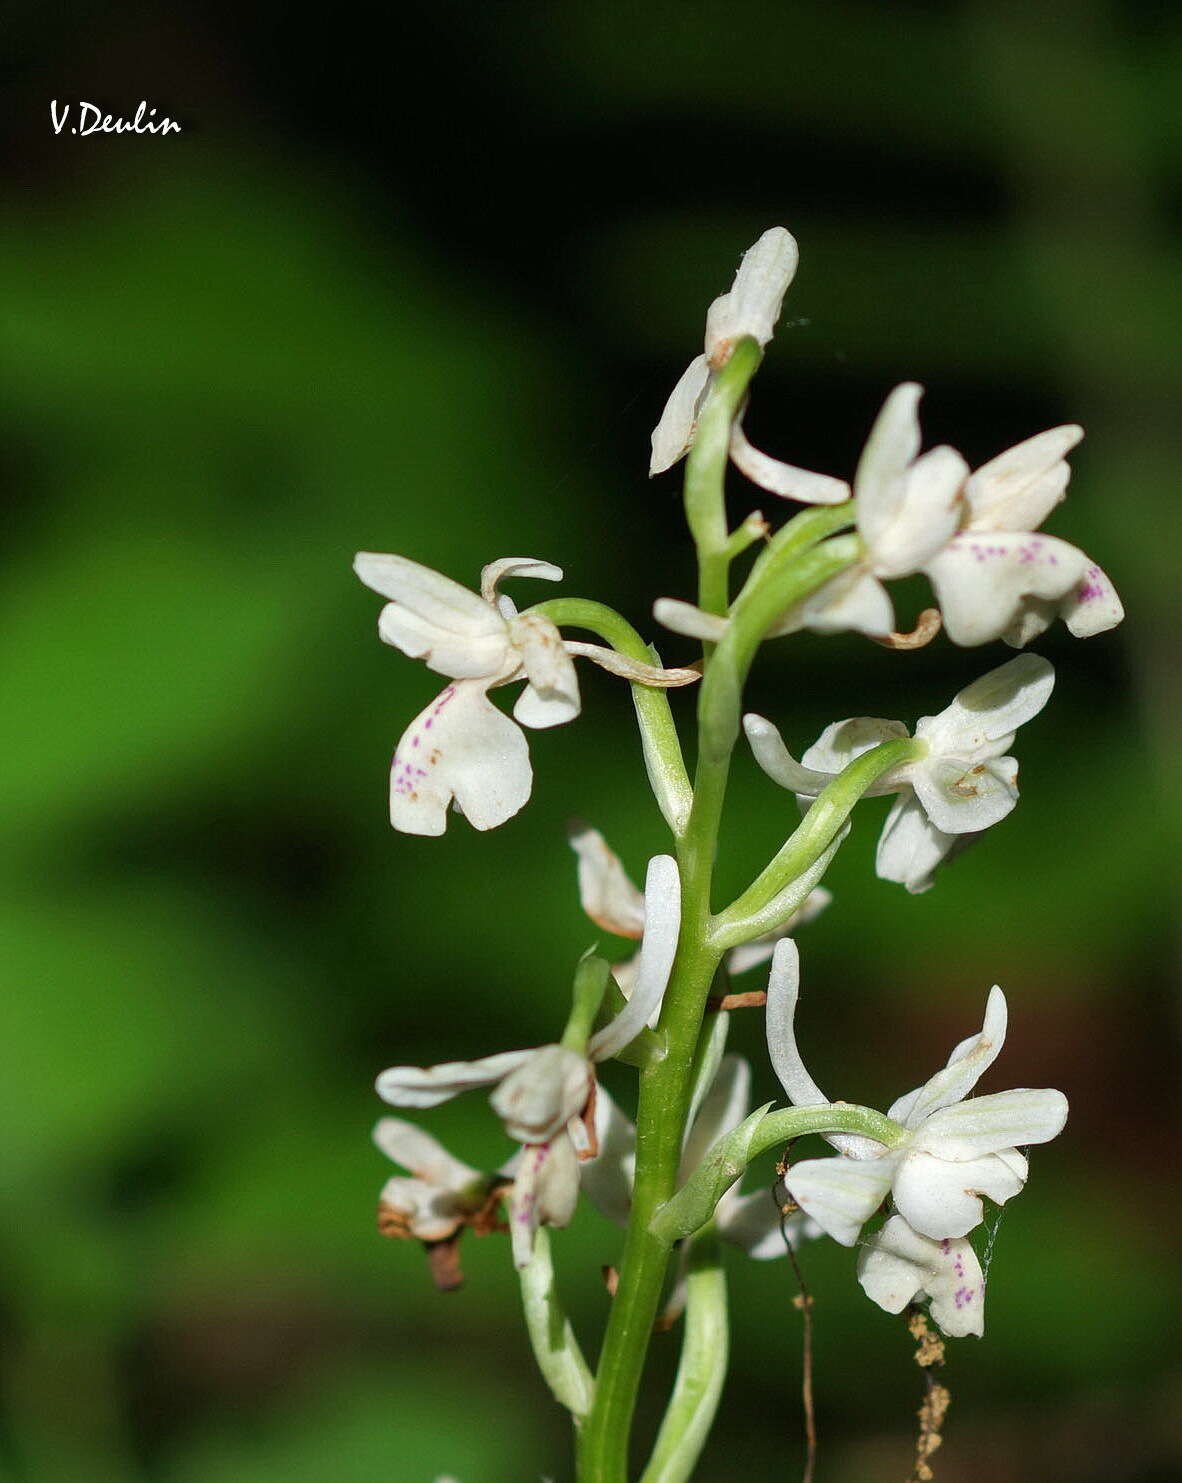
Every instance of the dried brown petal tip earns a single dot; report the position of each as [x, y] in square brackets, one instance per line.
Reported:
[927, 626]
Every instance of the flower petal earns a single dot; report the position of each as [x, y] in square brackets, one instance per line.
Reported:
[753, 1222]
[963, 797]
[1093, 607]
[854, 602]
[785, 479]
[926, 517]
[552, 695]
[984, 582]
[608, 1177]
[783, 990]
[723, 1108]
[997, 1123]
[545, 1192]
[662, 924]
[683, 617]
[942, 1198]
[634, 670]
[898, 1265]
[606, 894]
[459, 655]
[674, 432]
[1019, 488]
[880, 483]
[984, 716]
[778, 762]
[752, 306]
[965, 1067]
[428, 1086]
[540, 1096]
[843, 741]
[432, 596]
[910, 846]
[515, 566]
[840, 1194]
[425, 1211]
[460, 747]
[415, 1149]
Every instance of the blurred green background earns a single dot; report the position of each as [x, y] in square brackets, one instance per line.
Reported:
[424, 287]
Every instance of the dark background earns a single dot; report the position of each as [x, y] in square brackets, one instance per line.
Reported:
[419, 279]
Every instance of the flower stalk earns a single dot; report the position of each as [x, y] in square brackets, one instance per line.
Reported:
[932, 1160]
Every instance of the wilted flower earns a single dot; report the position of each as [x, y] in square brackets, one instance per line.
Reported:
[545, 1096]
[963, 784]
[461, 749]
[437, 1200]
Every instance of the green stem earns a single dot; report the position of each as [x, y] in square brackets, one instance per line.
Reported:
[654, 715]
[745, 917]
[692, 1207]
[666, 1086]
[705, 474]
[781, 1127]
[700, 1371]
[555, 1347]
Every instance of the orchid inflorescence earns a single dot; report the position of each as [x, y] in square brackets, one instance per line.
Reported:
[908, 1188]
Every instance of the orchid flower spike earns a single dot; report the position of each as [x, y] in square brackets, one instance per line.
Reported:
[954, 1151]
[612, 902]
[462, 750]
[545, 1096]
[964, 783]
[752, 308]
[751, 1222]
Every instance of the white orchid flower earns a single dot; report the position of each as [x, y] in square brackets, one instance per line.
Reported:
[612, 902]
[461, 749]
[545, 1095]
[965, 782]
[908, 506]
[995, 578]
[971, 534]
[751, 307]
[752, 1222]
[955, 1150]
[898, 1266]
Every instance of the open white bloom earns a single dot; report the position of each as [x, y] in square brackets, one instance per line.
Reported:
[440, 1195]
[612, 902]
[965, 782]
[955, 1150]
[908, 507]
[898, 1266]
[751, 307]
[995, 579]
[751, 1221]
[543, 1095]
[461, 749]
[971, 534]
